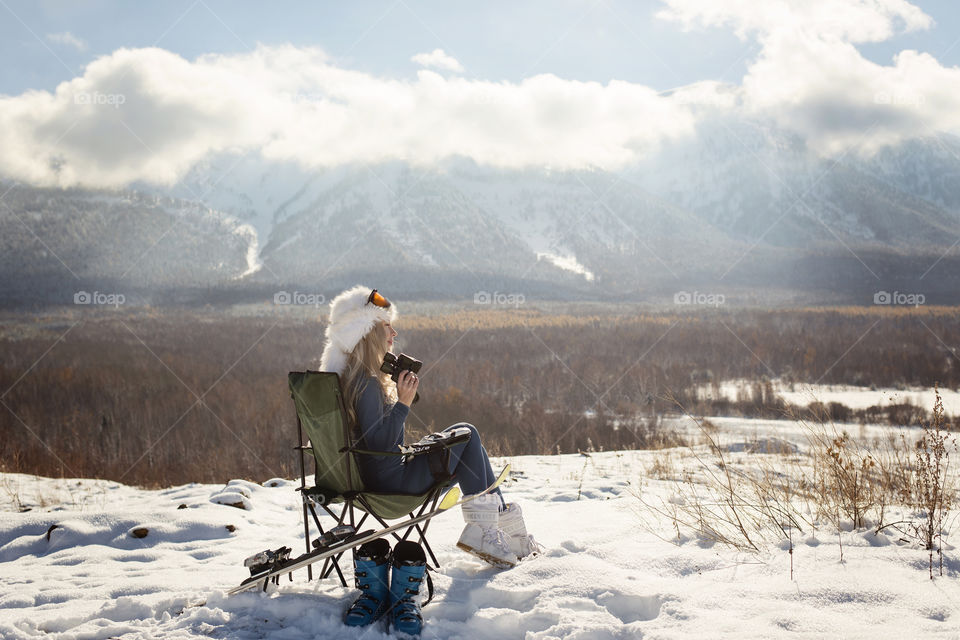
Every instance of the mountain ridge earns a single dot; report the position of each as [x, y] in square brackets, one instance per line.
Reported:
[740, 205]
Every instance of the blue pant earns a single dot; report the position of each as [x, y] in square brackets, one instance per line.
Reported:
[468, 464]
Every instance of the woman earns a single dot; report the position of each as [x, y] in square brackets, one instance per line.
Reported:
[360, 332]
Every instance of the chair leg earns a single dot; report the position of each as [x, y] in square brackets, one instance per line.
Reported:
[320, 532]
[335, 559]
[336, 565]
[422, 531]
[306, 537]
[333, 562]
[428, 504]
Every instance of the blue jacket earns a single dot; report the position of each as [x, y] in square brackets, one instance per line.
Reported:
[381, 429]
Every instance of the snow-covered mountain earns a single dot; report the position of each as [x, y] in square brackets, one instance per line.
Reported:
[54, 243]
[735, 184]
[584, 231]
[740, 204]
[761, 184]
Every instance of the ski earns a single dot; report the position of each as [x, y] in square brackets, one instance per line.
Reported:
[278, 564]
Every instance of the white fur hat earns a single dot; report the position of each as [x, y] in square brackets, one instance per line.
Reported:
[351, 318]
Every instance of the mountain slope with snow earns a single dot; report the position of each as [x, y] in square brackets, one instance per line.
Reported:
[742, 205]
[760, 183]
[56, 242]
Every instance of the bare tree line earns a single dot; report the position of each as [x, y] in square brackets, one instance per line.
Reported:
[160, 398]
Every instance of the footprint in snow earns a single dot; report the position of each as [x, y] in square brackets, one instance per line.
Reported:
[631, 608]
[573, 547]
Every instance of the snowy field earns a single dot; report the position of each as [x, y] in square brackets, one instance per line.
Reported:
[855, 397]
[613, 568]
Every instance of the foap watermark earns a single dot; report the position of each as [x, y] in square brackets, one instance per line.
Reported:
[907, 99]
[899, 298]
[99, 298]
[498, 298]
[100, 99]
[299, 298]
[699, 298]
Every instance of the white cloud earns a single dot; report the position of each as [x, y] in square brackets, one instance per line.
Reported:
[438, 59]
[809, 76]
[846, 20]
[68, 39]
[148, 114]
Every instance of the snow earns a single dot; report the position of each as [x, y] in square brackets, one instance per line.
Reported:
[253, 250]
[864, 397]
[567, 263]
[611, 569]
[855, 397]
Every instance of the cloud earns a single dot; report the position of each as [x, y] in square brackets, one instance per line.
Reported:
[810, 78]
[68, 39]
[149, 115]
[845, 20]
[437, 59]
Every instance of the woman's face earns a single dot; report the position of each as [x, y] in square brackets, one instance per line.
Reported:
[389, 333]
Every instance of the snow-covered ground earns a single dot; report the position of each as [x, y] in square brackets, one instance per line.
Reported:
[612, 567]
[855, 397]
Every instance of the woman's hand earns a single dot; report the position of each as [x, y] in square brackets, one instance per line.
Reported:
[407, 385]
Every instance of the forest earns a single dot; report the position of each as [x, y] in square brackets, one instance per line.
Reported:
[157, 397]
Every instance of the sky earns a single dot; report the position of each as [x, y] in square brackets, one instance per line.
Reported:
[105, 93]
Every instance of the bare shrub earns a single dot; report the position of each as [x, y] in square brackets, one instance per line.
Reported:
[13, 494]
[934, 491]
[846, 475]
[896, 469]
[742, 508]
[663, 467]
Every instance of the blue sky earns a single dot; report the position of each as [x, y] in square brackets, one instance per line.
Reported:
[574, 39]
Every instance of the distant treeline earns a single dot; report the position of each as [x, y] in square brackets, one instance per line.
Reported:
[162, 397]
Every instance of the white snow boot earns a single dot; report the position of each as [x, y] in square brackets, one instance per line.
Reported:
[511, 522]
[482, 536]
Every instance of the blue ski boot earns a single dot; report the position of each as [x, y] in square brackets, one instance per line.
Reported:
[409, 569]
[371, 564]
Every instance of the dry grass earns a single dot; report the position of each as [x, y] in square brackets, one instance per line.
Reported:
[664, 466]
[727, 503]
[934, 490]
[846, 476]
[12, 491]
[838, 482]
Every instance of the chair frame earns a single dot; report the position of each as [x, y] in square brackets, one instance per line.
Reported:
[353, 498]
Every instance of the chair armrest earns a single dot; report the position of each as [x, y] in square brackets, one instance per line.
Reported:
[427, 444]
[435, 442]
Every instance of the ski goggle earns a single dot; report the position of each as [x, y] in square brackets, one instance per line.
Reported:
[378, 300]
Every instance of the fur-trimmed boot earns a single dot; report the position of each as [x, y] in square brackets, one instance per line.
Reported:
[511, 522]
[409, 570]
[371, 566]
[482, 536]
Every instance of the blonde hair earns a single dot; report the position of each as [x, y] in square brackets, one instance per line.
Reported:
[363, 362]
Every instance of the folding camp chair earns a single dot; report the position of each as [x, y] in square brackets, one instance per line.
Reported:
[334, 445]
